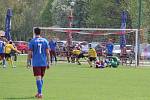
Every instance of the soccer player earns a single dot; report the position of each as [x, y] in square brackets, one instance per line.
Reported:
[68, 53]
[53, 44]
[100, 50]
[92, 55]
[2, 54]
[123, 55]
[78, 54]
[39, 54]
[2, 47]
[8, 48]
[109, 48]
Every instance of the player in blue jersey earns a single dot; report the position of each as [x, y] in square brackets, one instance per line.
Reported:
[2, 54]
[52, 45]
[109, 48]
[39, 54]
[2, 47]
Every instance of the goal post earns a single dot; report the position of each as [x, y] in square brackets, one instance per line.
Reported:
[107, 30]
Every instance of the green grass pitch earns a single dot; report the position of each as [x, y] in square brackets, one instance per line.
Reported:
[73, 82]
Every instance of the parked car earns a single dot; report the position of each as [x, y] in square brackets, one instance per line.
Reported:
[94, 44]
[145, 51]
[21, 46]
[117, 50]
[61, 43]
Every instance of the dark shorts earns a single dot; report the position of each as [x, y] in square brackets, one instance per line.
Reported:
[68, 54]
[81, 55]
[124, 55]
[92, 58]
[39, 71]
[2, 55]
[99, 54]
[7, 55]
[109, 54]
[52, 53]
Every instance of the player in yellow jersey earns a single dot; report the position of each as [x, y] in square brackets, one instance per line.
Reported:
[8, 48]
[92, 55]
[78, 54]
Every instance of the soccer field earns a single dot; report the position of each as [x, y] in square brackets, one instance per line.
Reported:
[73, 82]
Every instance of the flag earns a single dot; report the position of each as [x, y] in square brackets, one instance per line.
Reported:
[123, 26]
[8, 24]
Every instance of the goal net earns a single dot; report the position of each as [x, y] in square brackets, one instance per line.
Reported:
[97, 36]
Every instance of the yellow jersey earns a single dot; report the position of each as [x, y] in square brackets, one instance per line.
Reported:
[92, 52]
[76, 52]
[9, 47]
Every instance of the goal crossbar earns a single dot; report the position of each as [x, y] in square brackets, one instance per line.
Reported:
[88, 29]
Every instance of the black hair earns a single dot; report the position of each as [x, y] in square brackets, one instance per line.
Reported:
[37, 31]
[10, 42]
[90, 45]
[29, 40]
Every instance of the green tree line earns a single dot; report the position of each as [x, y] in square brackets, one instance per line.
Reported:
[87, 13]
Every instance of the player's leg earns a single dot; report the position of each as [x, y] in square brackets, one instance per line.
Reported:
[9, 60]
[81, 55]
[63, 55]
[42, 73]
[4, 62]
[94, 60]
[55, 56]
[6, 59]
[51, 56]
[3, 59]
[78, 60]
[68, 56]
[73, 57]
[39, 73]
[90, 61]
[15, 57]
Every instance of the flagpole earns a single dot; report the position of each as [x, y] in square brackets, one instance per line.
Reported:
[139, 27]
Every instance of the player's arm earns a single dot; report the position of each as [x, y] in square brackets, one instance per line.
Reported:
[12, 47]
[29, 57]
[48, 57]
[95, 53]
[88, 53]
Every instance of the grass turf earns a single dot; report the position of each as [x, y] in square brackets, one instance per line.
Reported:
[73, 82]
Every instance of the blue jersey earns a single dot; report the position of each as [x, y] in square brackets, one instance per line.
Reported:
[109, 48]
[38, 47]
[52, 45]
[2, 46]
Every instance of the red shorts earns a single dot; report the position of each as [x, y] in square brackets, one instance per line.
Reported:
[39, 71]
[52, 53]
[2, 55]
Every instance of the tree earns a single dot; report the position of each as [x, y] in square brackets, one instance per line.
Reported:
[104, 13]
[46, 14]
[60, 13]
[81, 10]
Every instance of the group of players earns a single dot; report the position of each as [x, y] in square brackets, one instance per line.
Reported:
[75, 53]
[7, 49]
[102, 56]
[95, 58]
[41, 53]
